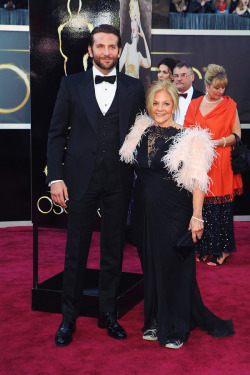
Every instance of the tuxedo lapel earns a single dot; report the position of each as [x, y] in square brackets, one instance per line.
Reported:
[86, 90]
[124, 94]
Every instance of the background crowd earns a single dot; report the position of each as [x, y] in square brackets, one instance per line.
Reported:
[218, 113]
[14, 4]
[240, 7]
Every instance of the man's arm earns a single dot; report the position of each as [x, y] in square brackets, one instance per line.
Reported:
[57, 138]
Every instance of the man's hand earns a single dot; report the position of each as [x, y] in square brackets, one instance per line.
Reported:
[59, 193]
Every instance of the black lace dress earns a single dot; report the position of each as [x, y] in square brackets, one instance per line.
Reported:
[160, 215]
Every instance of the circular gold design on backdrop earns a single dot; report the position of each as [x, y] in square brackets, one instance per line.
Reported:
[197, 72]
[52, 204]
[50, 201]
[23, 76]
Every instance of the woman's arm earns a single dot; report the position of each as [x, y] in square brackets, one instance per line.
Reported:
[230, 139]
[196, 223]
[123, 57]
[145, 62]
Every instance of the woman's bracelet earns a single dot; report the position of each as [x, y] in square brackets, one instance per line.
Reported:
[198, 219]
[225, 142]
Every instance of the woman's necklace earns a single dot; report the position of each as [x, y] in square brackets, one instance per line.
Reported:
[208, 101]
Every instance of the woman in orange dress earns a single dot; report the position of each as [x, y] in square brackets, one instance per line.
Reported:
[217, 113]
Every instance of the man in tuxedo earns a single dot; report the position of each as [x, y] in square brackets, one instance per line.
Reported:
[99, 106]
[183, 78]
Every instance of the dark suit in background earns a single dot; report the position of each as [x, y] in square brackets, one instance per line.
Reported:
[197, 94]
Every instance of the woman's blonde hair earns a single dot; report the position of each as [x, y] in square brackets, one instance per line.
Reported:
[215, 74]
[134, 5]
[240, 5]
[158, 86]
[179, 3]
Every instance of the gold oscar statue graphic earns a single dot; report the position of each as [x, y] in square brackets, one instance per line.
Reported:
[72, 26]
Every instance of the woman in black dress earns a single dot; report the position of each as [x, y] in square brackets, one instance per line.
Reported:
[171, 165]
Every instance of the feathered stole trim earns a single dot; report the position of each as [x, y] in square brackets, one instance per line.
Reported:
[128, 150]
[190, 157]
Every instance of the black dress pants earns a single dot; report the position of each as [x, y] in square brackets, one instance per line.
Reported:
[105, 189]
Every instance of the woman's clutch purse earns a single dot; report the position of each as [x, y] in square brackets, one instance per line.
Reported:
[185, 245]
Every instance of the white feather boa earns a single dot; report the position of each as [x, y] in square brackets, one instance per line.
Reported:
[188, 159]
[128, 150]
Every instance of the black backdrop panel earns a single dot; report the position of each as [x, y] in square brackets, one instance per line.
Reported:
[58, 33]
[59, 30]
[201, 50]
[15, 175]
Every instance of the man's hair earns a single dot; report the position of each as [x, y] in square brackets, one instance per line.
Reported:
[187, 65]
[107, 29]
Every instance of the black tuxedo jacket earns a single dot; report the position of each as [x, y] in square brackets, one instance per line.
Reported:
[197, 94]
[73, 133]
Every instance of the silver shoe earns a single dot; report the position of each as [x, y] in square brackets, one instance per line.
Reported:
[150, 335]
[174, 344]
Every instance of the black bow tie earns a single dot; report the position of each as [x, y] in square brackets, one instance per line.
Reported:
[184, 95]
[109, 79]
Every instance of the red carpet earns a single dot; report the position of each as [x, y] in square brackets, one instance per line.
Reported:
[27, 337]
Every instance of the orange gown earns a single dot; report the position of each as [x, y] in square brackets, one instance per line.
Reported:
[224, 184]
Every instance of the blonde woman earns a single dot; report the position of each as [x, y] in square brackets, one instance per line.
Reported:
[243, 8]
[131, 58]
[218, 113]
[171, 164]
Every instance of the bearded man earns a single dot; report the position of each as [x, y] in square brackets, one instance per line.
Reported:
[84, 172]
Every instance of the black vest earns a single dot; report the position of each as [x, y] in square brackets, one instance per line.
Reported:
[108, 136]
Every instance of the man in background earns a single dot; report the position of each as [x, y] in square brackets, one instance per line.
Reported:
[183, 76]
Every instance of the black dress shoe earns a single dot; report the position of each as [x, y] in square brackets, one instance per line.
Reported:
[64, 333]
[108, 320]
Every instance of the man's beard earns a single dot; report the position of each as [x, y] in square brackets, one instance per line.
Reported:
[98, 63]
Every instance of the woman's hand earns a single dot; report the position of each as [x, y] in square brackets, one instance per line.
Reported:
[140, 32]
[197, 228]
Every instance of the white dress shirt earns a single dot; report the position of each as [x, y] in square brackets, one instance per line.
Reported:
[180, 114]
[104, 92]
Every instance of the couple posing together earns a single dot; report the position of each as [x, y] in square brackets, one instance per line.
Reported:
[106, 143]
